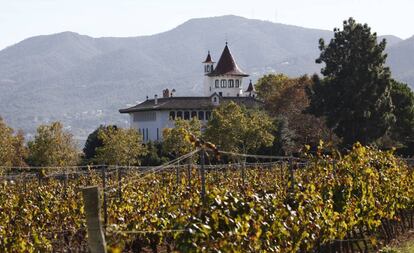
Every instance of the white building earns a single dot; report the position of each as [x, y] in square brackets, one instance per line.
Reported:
[222, 83]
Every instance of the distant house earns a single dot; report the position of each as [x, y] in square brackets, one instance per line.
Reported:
[221, 84]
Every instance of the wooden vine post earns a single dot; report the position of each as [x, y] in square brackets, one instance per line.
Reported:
[203, 177]
[96, 239]
[105, 205]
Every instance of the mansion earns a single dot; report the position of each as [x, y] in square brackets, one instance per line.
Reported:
[222, 83]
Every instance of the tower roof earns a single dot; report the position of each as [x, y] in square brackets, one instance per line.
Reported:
[251, 87]
[227, 65]
[208, 58]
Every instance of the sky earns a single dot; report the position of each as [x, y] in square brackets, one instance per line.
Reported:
[20, 19]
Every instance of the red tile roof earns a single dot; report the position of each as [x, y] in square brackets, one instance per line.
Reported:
[227, 65]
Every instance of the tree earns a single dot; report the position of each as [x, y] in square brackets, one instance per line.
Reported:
[283, 143]
[52, 146]
[120, 146]
[354, 95]
[402, 131]
[176, 140]
[155, 155]
[233, 128]
[12, 149]
[93, 142]
[270, 85]
[287, 102]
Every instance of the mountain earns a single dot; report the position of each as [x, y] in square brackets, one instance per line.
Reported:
[83, 81]
[401, 60]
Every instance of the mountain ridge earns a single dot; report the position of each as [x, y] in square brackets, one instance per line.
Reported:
[83, 81]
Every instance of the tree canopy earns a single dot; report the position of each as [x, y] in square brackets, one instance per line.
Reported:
[176, 141]
[52, 146]
[402, 131]
[12, 149]
[93, 142]
[233, 128]
[286, 100]
[120, 146]
[354, 95]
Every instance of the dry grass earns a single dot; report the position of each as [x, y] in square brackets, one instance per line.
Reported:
[404, 244]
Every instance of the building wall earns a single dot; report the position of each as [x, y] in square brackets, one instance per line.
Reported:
[151, 127]
[210, 86]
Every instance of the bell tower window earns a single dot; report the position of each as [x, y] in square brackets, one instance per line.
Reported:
[217, 85]
[223, 83]
[237, 83]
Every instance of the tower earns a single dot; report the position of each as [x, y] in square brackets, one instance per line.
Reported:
[208, 68]
[226, 78]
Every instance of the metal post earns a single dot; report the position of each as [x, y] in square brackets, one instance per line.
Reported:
[243, 172]
[119, 172]
[189, 173]
[291, 175]
[105, 207]
[96, 239]
[177, 174]
[65, 181]
[203, 178]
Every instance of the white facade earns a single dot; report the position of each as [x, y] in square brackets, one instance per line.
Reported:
[150, 124]
[225, 85]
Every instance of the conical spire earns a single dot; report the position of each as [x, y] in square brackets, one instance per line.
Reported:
[227, 65]
[251, 87]
[208, 58]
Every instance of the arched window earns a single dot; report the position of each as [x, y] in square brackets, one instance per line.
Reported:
[215, 99]
[186, 115]
[172, 115]
[193, 114]
[217, 85]
[208, 68]
[223, 83]
[208, 115]
[179, 115]
[201, 115]
[237, 83]
[231, 83]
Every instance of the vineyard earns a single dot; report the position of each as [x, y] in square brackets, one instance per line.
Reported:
[321, 203]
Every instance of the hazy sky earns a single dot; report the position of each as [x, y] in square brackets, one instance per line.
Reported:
[20, 19]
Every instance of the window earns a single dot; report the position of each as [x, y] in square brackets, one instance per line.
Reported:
[193, 114]
[208, 115]
[215, 99]
[208, 68]
[186, 115]
[231, 83]
[223, 83]
[220, 93]
[237, 83]
[217, 84]
[172, 115]
[144, 116]
[146, 134]
[179, 115]
[201, 115]
[158, 133]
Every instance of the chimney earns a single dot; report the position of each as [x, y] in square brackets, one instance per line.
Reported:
[166, 93]
[155, 99]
